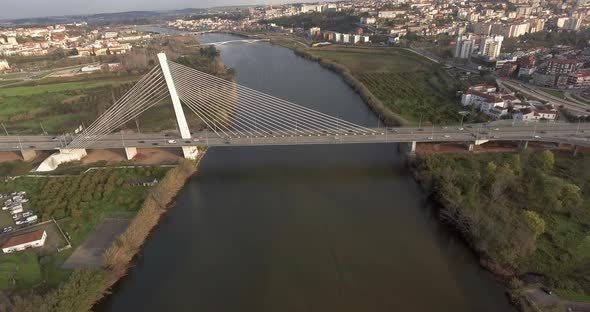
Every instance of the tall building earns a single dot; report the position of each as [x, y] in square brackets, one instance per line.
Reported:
[572, 24]
[561, 66]
[536, 25]
[491, 46]
[464, 46]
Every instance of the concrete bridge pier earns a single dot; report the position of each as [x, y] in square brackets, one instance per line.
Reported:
[130, 152]
[190, 152]
[412, 146]
[576, 150]
[63, 156]
[523, 145]
[471, 146]
[28, 154]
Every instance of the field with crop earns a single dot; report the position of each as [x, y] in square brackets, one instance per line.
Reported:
[407, 84]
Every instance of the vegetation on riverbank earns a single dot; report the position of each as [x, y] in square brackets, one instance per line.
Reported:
[398, 85]
[335, 21]
[85, 287]
[524, 212]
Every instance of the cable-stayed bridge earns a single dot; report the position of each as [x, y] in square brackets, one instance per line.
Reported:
[237, 115]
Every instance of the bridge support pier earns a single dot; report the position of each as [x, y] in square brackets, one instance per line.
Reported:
[190, 152]
[471, 146]
[576, 150]
[64, 156]
[412, 146]
[28, 154]
[130, 152]
[524, 145]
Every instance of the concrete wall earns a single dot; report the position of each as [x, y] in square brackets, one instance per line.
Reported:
[63, 156]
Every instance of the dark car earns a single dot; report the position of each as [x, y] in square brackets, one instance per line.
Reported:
[141, 141]
[154, 143]
[547, 290]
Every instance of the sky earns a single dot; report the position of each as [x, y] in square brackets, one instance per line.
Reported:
[39, 8]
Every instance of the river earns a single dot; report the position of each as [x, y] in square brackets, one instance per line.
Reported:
[303, 228]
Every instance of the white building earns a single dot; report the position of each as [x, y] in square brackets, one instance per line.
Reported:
[4, 65]
[24, 241]
[368, 20]
[313, 31]
[311, 8]
[491, 46]
[90, 68]
[345, 38]
[356, 39]
[110, 35]
[464, 46]
[534, 114]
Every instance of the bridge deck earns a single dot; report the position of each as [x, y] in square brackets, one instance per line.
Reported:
[571, 134]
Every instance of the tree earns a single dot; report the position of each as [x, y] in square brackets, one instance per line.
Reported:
[546, 160]
[534, 222]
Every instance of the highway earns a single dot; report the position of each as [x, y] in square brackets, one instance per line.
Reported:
[578, 134]
[575, 108]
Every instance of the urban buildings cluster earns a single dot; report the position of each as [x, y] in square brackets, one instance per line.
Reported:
[498, 105]
[38, 41]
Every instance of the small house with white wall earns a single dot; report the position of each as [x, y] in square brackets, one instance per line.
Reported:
[24, 241]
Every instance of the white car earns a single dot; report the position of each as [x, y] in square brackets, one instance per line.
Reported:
[171, 141]
[446, 136]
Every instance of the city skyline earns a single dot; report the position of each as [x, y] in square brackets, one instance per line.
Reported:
[42, 8]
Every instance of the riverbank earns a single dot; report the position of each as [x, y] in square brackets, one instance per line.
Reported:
[515, 229]
[85, 287]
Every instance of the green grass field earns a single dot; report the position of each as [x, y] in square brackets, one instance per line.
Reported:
[408, 84]
[5, 219]
[556, 93]
[59, 106]
[62, 87]
[19, 270]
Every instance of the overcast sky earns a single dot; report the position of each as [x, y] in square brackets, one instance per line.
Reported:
[39, 8]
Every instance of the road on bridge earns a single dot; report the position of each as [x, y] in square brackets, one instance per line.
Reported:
[578, 134]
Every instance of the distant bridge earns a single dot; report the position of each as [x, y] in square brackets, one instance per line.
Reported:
[235, 115]
[238, 41]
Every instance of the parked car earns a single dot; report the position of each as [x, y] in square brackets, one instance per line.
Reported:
[7, 229]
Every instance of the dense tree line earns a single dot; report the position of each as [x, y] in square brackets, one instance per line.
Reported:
[527, 212]
[334, 21]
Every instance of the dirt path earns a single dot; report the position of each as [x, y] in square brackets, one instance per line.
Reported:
[90, 253]
[548, 302]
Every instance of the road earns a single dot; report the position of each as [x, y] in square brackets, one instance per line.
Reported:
[578, 134]
[546, 301]
[575, 108]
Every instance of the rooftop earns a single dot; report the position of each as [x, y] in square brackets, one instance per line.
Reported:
[23, 238]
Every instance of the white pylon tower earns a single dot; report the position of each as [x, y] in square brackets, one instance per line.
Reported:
[185, 133]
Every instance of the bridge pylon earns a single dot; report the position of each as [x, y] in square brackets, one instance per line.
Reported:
[189, 152]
